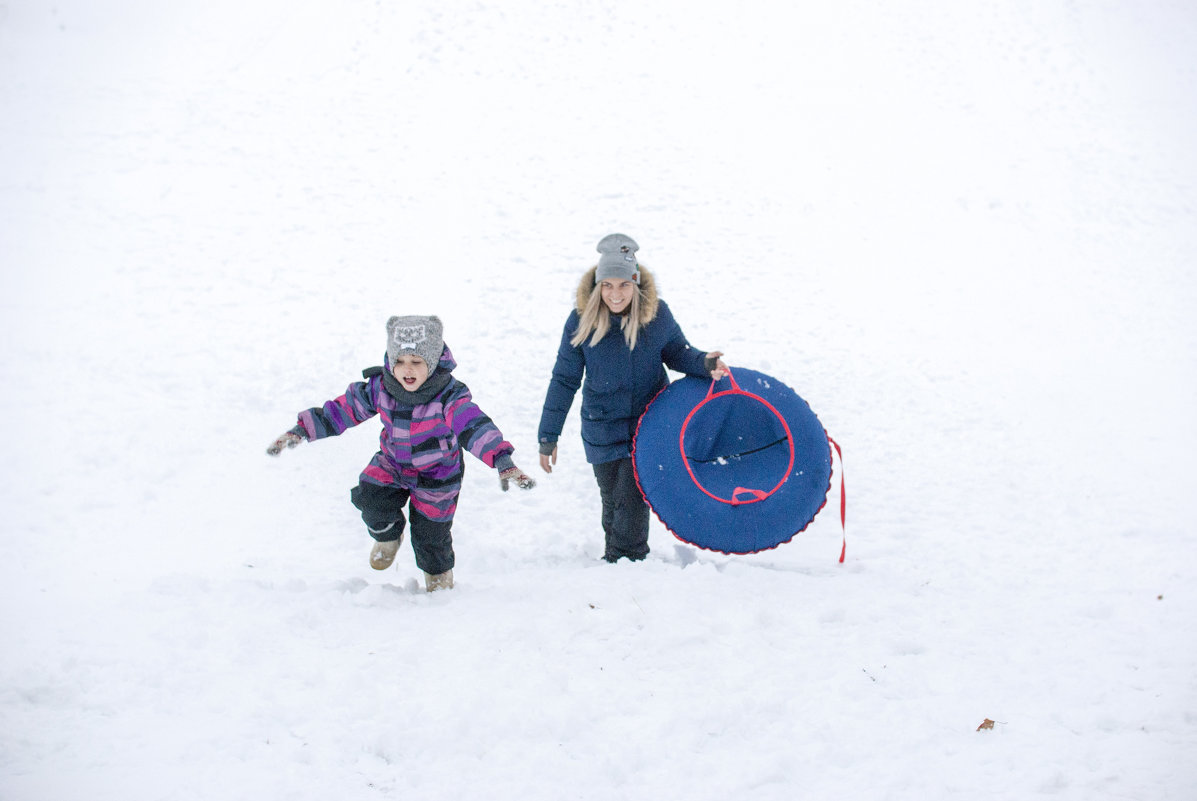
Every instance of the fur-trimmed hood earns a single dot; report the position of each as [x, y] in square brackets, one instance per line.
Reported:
[648, 291]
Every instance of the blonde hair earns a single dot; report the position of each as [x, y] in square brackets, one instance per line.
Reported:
[595, 319]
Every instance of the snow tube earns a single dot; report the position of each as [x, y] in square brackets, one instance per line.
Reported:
[729, 469]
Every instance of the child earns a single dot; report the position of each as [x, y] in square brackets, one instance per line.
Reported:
[427, 417]
[618, 339]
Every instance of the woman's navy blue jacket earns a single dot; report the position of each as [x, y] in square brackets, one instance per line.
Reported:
[617, 383]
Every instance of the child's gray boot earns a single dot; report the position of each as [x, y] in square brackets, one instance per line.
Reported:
[383, 553]
[440, 581]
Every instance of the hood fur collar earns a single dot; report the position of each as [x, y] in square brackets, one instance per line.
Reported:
[648, 291]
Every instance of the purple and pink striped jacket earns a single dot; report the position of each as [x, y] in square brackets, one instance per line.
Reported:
[420, 444]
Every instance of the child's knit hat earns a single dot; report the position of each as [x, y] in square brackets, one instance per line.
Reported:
[423, 336]
[617, 258]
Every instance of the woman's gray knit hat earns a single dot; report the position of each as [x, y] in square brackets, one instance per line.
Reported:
[423, 336]
[617, 258]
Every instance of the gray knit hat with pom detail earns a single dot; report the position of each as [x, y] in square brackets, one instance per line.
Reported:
[423, 336]
[617, 258]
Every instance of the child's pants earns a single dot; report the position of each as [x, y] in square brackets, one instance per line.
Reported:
[625, 514]
[431, 540]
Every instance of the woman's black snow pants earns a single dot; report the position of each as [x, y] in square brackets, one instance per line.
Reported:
[625, 514]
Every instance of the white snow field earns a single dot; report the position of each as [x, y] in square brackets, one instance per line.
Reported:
[965, 233]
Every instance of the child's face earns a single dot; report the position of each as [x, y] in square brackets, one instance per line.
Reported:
[617, 293]
[411, 371]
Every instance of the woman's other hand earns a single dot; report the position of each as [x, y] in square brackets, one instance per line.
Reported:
[547, 460]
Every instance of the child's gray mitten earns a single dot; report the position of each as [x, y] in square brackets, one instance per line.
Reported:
[521, 479]
[288, 440]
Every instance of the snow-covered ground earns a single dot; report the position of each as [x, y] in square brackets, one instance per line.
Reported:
[964, 232]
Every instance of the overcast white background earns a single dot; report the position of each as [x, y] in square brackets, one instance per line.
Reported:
[964, 233]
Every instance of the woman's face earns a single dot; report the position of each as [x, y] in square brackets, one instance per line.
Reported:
[617, 293]
[411, 371]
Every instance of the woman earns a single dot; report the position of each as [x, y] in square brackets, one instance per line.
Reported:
[616, 345]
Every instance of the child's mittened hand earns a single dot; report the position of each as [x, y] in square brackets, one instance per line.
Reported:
[288, 440]
[521, 479]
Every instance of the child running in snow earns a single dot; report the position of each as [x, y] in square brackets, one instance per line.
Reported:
[427, 417]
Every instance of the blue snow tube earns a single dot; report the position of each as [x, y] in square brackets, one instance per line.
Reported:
[729, 469]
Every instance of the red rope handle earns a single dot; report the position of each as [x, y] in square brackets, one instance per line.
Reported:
[757, 495]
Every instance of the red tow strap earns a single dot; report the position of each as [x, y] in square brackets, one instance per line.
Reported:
[843, 499]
